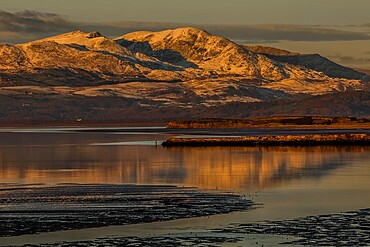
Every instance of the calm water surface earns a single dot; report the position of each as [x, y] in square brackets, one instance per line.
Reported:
[288, 181]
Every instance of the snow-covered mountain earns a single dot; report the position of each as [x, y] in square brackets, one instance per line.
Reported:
[183, 68]
[311, 61]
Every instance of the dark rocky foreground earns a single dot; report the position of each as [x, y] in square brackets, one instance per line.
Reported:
[163, 241]
[289, 140]
[29, 210]
[343, 229]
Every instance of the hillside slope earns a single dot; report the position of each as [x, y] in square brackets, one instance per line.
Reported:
[183, 72]
[312, 61]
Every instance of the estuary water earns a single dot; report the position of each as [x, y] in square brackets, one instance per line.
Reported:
[285, 182]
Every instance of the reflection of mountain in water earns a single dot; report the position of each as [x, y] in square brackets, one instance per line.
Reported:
[222, 168]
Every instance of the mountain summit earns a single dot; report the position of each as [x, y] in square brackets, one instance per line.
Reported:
[207, 52]
[183, 68]
[175, 55]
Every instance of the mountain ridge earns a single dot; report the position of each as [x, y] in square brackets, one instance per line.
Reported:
[185, 68]
[312, 61]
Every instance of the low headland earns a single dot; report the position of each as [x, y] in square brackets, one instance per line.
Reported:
[288, 140]
[274, 122]
[340, 137]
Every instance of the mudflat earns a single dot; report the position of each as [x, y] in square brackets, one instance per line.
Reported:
[38, 208]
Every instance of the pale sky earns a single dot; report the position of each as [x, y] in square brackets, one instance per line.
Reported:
[326, 12]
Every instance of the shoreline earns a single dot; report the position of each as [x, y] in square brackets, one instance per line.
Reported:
[163, 124]
[267, 140]
[73, 124]
[277, 122]
[302, 122]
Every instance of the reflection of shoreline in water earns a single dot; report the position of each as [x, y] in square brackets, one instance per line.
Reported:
[260, 167]
[208, 168]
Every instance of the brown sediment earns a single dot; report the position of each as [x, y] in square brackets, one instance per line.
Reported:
[288, 140]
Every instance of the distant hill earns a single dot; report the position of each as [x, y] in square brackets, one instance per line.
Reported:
[311, 61]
